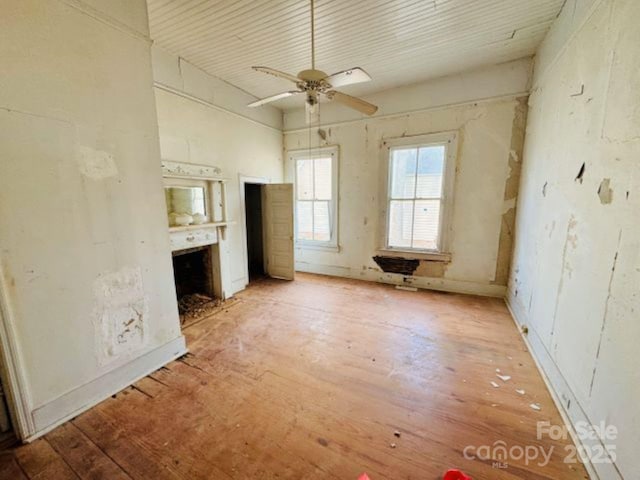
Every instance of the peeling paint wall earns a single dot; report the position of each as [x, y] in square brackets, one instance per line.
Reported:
[217, 134]
[575, 279]
[121, 313]
[488, 168]
[84, 247]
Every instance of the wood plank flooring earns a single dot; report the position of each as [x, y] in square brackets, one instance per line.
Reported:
[321, 378]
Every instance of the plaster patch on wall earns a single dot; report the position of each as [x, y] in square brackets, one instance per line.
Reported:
[605, 192]
[512, 184]
[433, 269]
[572, 237]
[121, 313]
[508, 205]
[95, 164]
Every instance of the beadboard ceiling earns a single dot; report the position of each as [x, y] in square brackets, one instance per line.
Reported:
[397, 42]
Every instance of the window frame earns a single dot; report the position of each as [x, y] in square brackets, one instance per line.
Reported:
[311, 154]
[449, 141]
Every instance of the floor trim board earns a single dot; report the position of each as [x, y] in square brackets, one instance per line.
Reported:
[440, 284]
[71, 404]
[566, 402]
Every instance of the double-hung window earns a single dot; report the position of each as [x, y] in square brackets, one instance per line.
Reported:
[419, 192]
[316, 195]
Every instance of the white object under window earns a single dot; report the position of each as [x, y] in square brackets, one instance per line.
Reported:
[419, 192]
[316, 194]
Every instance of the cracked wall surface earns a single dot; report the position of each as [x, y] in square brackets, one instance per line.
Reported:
[575, 279]
[83, 230]
[486, 185]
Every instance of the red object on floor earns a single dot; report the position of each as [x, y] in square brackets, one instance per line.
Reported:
[456, 475]
[364, 476]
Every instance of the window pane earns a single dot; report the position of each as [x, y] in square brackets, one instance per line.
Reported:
[400, 219]
[322, 178]
[403, 172]
[430, 170]
[304, 179]
[322, 230]
[304, 220]
[426, 224]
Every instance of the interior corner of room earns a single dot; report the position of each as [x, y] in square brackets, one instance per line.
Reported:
[296, 259]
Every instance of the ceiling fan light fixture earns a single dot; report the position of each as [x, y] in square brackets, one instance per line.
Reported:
[316, 82]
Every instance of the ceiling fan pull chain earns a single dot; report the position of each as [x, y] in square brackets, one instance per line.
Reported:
[313, 40]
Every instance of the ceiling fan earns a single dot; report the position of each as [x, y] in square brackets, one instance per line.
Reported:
[314, 83]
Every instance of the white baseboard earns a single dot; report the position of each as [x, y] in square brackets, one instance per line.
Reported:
[567, 403]
[441, 284]
[71, 404]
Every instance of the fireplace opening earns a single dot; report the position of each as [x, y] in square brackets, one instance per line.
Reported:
[193, 275]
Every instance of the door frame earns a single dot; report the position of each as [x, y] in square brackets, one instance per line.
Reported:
[14, 382]
[244, 179]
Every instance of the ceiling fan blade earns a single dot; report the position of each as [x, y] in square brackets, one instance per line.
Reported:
[273, 98]
[277, 73]
[352, 102]
[348, 77]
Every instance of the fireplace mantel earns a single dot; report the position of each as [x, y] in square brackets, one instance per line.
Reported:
[212, 232]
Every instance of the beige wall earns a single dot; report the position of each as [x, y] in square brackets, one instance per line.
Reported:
[576, 270]
[88, 297]
[490, 137]
[210, 125]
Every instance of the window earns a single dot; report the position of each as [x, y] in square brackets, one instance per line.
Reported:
[316, 186]
[419, 192]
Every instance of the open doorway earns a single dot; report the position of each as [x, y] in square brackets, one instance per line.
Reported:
[255, 241]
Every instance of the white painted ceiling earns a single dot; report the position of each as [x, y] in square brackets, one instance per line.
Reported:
[397, 42]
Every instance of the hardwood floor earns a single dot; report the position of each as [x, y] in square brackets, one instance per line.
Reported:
[320, 378]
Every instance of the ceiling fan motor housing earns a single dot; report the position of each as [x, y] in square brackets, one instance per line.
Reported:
[313, 80]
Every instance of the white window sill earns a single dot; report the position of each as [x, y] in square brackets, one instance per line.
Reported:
[416, 254]
[320, 247]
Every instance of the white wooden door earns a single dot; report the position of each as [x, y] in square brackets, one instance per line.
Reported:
[277, 225]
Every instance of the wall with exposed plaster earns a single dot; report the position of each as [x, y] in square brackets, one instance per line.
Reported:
[87, 291]
[487, 174]
[575, 279]
[211, 125]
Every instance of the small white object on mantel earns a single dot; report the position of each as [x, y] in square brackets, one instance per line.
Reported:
[199, 218]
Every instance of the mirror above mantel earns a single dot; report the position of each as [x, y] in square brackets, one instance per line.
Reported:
[195, 197]
[186, 205]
